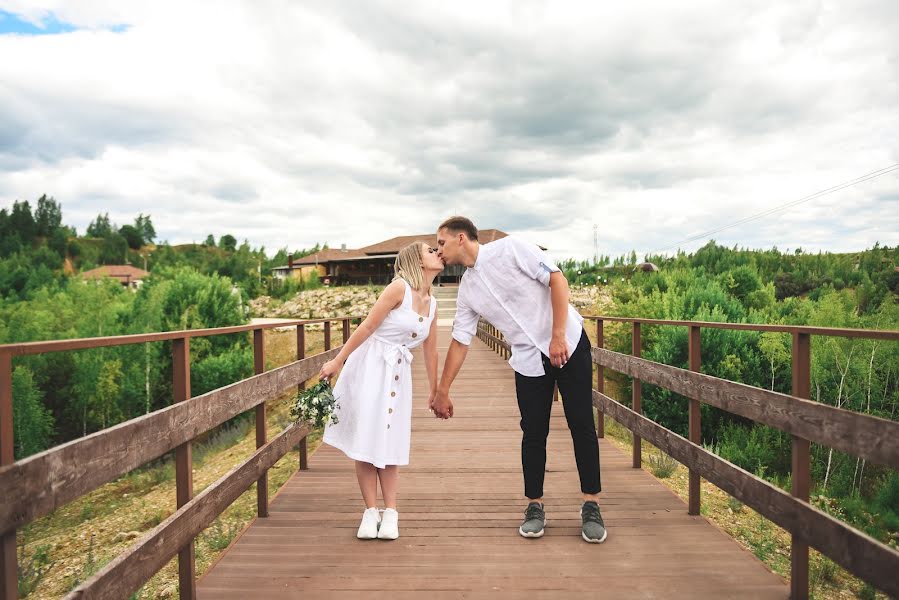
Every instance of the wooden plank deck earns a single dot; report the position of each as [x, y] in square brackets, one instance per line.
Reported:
[460, 504]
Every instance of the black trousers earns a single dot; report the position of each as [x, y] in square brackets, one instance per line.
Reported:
[535, 399]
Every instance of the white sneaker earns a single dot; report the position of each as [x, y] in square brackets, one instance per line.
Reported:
[389, 525]
[368, 529]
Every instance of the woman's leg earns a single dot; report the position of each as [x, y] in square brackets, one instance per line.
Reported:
[367, 474]
[389, 476]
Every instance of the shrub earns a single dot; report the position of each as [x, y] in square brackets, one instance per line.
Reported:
[662, 465]
[756, 448]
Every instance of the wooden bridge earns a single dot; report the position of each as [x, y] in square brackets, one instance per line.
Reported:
[461, 497]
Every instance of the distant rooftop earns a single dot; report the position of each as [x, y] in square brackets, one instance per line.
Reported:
[387, 248]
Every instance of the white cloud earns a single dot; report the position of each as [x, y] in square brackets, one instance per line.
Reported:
[290, 124]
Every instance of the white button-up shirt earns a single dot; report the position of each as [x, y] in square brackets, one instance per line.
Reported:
[509, 287]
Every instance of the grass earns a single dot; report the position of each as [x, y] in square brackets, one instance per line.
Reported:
[67, 547]
[767, 541]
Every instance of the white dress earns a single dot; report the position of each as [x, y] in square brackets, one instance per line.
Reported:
[374, 390]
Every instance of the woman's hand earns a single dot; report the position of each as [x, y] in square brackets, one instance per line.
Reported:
[330, 369]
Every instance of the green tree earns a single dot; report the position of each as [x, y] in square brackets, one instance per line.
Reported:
[741, 282]
[48, 216]
[100, 227]
[176, 299]
[58, 241]
[210, 241]
[104, 406]
[774, 349]
[132, 235]
[144, 226]
[228, 242]
[32, 423]
[21, 222]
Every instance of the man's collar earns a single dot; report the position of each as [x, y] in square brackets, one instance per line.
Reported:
[481, 257]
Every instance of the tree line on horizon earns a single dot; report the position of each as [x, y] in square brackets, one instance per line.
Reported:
[37, 249]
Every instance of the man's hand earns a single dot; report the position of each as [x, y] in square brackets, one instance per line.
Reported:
[442, 405]
[558, 351]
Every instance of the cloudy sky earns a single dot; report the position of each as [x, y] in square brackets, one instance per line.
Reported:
[288, 123]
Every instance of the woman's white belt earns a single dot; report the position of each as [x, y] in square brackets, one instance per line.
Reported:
[394, 352]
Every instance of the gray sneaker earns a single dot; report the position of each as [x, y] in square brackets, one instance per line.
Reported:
[593, 530]
[534, 521]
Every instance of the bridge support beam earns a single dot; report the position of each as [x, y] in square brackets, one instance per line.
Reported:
[261, 425]
[637, 397]
[695, 419]
[184, 480]
[9, 579]
[301, 354]
[801, 464]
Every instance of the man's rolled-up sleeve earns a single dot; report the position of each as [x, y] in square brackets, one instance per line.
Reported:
[465, 324]
[533, 261]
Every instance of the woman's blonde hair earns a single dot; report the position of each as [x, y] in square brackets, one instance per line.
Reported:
[408, 265]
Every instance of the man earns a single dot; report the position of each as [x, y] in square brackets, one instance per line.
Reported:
[514, 286]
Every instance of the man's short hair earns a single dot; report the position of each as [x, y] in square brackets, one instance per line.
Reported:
[461, 224]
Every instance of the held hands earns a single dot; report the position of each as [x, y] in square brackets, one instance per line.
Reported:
[440, 404]
[558, 351]
[330, 369]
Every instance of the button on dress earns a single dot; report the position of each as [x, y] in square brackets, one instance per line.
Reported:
[374, 390]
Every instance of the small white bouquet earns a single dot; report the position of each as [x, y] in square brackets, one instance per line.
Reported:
[316, 405]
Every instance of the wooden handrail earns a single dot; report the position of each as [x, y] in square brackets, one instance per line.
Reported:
[26, 348]
[872, 334]
[856, 551]
[871, 438]
[37, 485]
[131, 569]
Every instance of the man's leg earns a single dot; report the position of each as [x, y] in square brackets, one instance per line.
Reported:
[535, 396]
[575, 385]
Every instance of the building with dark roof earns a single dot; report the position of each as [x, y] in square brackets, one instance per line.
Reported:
[128, 276]
[371, 264]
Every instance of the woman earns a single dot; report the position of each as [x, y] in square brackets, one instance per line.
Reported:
[375, 390]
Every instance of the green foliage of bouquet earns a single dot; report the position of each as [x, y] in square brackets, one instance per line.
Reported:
[316, 405]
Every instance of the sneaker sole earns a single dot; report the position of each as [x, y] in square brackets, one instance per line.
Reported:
[384, 537]
[533, 535]
[599, 541]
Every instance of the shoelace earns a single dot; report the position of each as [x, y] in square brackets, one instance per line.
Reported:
[591, 513]
[533, 512]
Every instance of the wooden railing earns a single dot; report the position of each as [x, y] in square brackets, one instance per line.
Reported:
[870, 438]
[37, 485]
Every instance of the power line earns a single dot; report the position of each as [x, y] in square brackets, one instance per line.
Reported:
[782, 207]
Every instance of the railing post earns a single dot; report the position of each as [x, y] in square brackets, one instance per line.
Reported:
[327, 325]
[600, 382]
[801, 463]
[301, 354]
[184, 480]
[637, 398]
[261, 426]
[9, 577]
[695, 425]
[346, 330]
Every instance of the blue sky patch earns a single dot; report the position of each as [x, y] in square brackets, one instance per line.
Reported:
[50, 25]
[10, 23]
